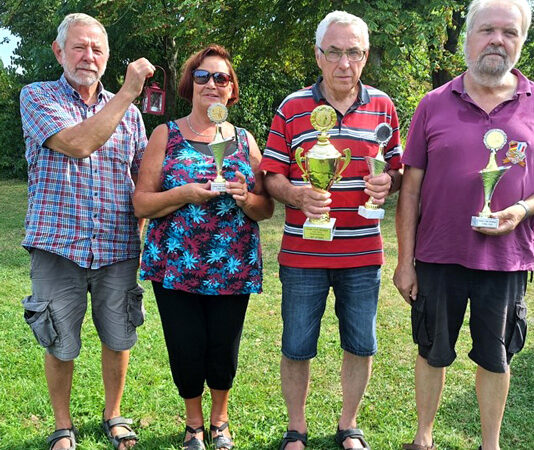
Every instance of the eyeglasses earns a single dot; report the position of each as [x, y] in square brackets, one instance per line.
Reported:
[353, 54]
[220, 79]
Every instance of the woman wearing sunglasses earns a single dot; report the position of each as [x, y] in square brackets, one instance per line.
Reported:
[202, 250]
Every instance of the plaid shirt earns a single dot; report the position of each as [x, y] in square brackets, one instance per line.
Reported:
[80, 209]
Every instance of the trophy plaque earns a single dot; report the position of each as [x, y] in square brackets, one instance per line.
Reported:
[494, 140]
[322, 166]
[218, 113]
[377, 165]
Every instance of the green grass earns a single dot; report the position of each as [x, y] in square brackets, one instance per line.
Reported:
[257, 409]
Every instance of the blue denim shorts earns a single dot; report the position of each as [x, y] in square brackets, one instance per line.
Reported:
[56, 308]
[304, 294]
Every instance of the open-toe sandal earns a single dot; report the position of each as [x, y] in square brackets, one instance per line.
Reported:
[414, 446]
[194, 443]
[353, 433]
[293, 436]
[119, 421]
[220, 440]
[63, 433]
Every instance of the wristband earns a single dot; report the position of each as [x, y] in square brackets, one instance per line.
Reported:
[525, 207]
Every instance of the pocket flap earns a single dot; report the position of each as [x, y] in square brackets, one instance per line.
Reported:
[33, 304]
[521, 311]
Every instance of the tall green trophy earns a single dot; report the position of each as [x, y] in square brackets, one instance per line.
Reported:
[218, 113]
[494, 140]
[377, 165]
[322, 166]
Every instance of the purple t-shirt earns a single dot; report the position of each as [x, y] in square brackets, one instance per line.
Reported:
[446, 140]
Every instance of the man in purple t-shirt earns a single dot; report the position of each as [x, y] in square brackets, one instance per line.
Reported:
[443, 260]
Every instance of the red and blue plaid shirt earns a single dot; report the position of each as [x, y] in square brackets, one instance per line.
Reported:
[80, 208]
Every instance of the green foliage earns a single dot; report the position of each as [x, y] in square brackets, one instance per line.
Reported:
[12, 162]
[416, 45]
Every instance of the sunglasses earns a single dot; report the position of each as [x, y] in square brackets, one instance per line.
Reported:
[220, 79]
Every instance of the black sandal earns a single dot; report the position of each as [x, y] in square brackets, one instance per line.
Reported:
[353, 433]
[119, 421]
[62, 433]
[293, 436]
[194, 443]
[221, 441]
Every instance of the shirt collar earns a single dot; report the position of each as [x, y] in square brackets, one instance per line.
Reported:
[523, 85]
[362, 99]
[74, 93]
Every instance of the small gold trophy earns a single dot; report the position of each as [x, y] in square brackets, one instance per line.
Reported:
[218, 113]
[322, 167]
[494, 140]
[377, 165]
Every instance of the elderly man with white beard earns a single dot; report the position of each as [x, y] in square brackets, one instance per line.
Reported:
[84, 146]
[484, 115]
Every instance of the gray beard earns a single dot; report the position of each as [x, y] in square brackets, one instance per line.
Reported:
[489, 76]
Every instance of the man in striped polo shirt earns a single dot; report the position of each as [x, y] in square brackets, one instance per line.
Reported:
[351, 262]
[83, 146]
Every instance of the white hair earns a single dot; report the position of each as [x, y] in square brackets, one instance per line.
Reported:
[74, 19]
[343, 18]
[478, 5]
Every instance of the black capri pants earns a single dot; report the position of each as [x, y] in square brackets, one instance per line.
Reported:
[202, 334]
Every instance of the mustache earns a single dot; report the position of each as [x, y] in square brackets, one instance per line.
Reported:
[492, 50]
[84, 67]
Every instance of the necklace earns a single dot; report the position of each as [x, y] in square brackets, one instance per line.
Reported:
[195, 131]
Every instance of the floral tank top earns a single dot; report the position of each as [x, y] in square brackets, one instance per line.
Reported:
[212, 248]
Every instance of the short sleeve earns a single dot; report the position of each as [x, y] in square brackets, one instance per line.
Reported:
[415, 153]
[43, 114]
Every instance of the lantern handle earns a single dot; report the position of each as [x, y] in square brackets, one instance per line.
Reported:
[164, 76]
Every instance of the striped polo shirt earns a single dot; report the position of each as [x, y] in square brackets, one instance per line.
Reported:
[357, 241]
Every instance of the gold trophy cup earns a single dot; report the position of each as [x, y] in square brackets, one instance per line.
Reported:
[494, 140]
[218, 113]
[322, 166]
[377, 165]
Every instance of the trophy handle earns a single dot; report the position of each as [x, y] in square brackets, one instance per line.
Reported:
[299, 160]
[346, 162]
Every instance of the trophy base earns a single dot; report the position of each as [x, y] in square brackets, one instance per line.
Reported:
[318, 231]
[217, 186]
[484, 222]
[371, 213]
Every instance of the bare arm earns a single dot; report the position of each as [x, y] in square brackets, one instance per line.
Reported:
[407, 217]
[149, 200]
[80, 140]
[257, 205]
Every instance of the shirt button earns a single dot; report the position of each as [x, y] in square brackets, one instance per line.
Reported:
[95, 215]
[95, 193]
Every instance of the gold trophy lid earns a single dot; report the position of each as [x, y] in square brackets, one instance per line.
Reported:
[494, 140]
[323, 118]
[217, 113]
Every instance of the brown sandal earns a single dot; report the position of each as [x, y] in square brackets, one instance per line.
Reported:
[414, 446]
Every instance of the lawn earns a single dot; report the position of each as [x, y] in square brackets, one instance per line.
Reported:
[257, 409]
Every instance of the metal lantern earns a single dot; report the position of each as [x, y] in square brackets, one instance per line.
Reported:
[154, 96]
